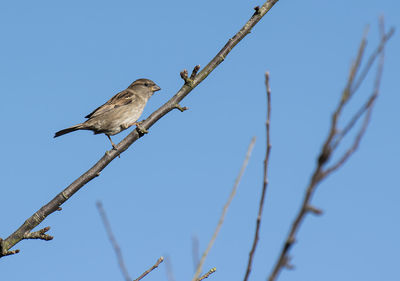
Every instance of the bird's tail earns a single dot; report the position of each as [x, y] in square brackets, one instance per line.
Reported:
[68, 130]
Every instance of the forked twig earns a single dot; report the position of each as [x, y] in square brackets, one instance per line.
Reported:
[335, 137]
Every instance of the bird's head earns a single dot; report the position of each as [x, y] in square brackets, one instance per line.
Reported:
[145, 85]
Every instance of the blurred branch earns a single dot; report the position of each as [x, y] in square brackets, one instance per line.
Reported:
[113, 241]
[225, 210]
[195, 251]
[190, 83]
[335, 137]
[168, 269]
[117, 249]
[265, 181]
[160, 260]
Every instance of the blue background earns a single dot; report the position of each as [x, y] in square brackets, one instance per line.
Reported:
[59, 61]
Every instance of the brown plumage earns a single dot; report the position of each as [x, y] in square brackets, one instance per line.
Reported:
[119, 113]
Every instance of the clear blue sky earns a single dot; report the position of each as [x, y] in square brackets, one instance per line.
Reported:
[59, 61]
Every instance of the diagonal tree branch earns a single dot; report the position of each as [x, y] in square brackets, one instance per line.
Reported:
[224, 210]
[334, 139]
[190, 83]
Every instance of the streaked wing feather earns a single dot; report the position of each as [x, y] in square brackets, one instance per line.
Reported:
[122, 98]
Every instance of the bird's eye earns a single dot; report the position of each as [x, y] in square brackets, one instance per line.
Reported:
[146, 84]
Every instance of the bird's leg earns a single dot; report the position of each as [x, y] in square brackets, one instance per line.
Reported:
[140, 128]
[112, 143]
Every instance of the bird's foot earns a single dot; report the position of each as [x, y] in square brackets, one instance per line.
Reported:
[140, 129]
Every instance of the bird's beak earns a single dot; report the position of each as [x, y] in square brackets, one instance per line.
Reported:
[155, 88]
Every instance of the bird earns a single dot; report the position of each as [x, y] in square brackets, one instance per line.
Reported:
[119, 113]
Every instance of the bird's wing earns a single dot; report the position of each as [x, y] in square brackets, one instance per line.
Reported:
[122, 98]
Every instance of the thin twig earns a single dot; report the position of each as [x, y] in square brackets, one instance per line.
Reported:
[368, 105]
[195, 251]
[109, 156]
[211, 271]
[356, 141]
[40, 234]
[113, 241]
[160, 260]
[225, 209]
[334, 139]
[353, 121]
[372, 59]
[265, 181]
[5, 252]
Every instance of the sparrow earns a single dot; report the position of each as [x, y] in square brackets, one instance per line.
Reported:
[119, 113]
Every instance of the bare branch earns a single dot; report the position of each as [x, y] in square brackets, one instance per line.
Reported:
[113, 241]
[372, 58]
[225, 209]
[353, 121]
[265, 182]
[184, 75]
[40, 234]
[160, 260]
[353, 88]
[355, 144]
[93, 172]
[366, 108]
[195, 251]
[334, 139]
[211, 271]
[168, 269]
